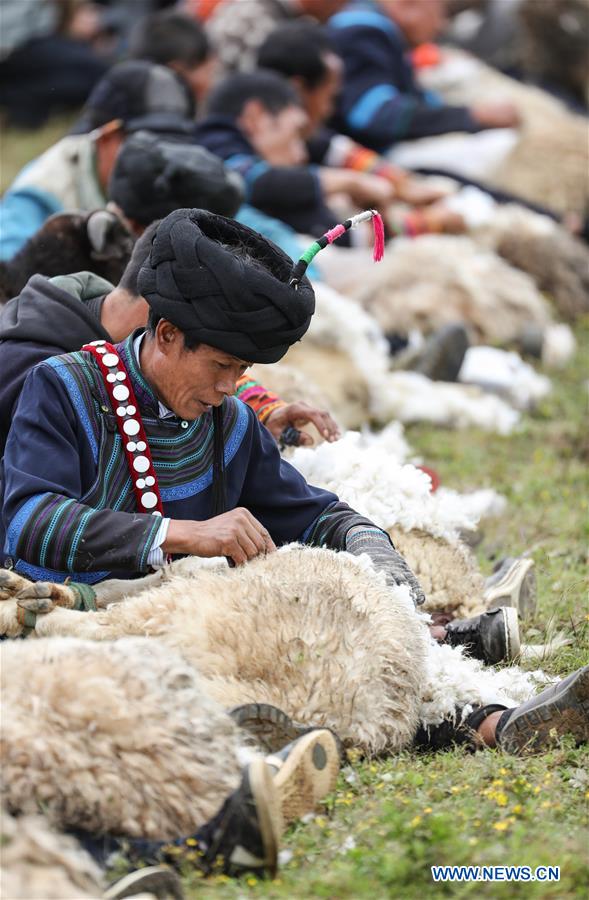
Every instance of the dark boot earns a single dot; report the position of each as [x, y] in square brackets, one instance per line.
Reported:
[492, 637]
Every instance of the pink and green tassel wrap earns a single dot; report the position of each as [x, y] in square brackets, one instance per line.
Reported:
[334, 233]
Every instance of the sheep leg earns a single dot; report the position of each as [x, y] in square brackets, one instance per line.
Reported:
[11, 584]
[113, 590]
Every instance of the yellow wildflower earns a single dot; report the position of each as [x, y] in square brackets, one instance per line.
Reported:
[500, 826]
[517, 808]
[428, 809]
[415, 822]
[501, 799]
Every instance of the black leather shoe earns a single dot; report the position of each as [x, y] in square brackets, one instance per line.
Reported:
[492, 637]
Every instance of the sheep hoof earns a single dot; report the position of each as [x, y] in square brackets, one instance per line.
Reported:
[37, 590]
[36, 604]
[11, 584]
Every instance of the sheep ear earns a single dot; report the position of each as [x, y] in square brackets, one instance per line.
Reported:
[98, 229]
[108, 236]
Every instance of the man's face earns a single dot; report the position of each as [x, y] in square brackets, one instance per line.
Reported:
[319, 101]
[199, 78]
[276, 137]
[189, 382]
[420, 20]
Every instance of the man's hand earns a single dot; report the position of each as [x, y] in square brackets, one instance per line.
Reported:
[235, 534]
[417, 192]
[496, 115]
[440, 219]
[297, 415]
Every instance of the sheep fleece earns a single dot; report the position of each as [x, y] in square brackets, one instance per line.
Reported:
[307, 629]
[112, 737]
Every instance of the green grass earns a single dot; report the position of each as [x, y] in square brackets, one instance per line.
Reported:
[390, 820]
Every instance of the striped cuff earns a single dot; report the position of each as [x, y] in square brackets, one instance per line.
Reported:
[155, 557]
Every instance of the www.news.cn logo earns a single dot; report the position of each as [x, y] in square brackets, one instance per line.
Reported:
[495, 873]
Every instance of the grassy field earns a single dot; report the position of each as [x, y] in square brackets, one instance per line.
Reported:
[390, 820]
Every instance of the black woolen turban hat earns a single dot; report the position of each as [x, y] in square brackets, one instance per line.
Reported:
[248, 311]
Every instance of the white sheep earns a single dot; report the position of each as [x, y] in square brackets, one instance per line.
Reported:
[39, 862]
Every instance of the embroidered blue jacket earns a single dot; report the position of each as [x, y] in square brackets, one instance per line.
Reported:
[68, 505]
[380, 102]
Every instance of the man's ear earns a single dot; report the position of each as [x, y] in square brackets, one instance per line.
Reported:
[167, 336]
[250, 116]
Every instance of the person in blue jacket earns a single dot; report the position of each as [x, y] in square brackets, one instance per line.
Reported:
[220, 299]
[380, 102]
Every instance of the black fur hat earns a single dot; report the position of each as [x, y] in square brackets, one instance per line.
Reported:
[152, 177]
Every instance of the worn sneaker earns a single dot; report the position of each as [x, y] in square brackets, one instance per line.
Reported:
[305, 772]
[270, 726]
[513, 584]
[157, 881]
[442, 355]
[558, 710]
[243, 836]
[492, 637]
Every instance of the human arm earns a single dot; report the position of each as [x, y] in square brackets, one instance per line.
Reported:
[341, 528]
[277, 415]
[380, 103]
[50, 466]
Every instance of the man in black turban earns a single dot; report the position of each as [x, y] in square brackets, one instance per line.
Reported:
[159, 407]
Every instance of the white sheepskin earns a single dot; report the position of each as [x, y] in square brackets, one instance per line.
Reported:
[308, 630]
[112, 736]
[411, 397]
[38, 862]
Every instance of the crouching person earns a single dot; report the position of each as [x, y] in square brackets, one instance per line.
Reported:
[122, 456]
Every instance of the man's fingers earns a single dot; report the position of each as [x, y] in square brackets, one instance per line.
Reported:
[323, 422]
[305, 439]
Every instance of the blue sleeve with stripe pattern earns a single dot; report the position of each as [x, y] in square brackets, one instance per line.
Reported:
[380, 103]
[48, 467]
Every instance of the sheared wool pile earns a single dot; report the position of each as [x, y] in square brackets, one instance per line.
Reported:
[363, 474]
[558, 262]
[346, 353]
[548, 162]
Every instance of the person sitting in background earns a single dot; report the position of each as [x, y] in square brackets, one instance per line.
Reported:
[47, 61]
[380, 103]
[74, 172]
[256, 123]
[302, 52]
[178, 41]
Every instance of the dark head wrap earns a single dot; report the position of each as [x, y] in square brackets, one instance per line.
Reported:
[245, 307]
[153, 177]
